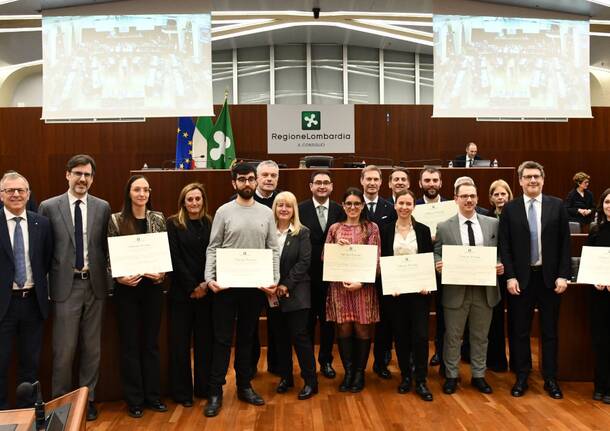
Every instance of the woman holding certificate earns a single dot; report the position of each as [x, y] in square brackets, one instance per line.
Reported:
[600, 306]
[354, 306]
[409, 312]
[190, 302]
[289, 320]
[139, 298]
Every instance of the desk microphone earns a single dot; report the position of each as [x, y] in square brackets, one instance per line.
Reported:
[25, 391]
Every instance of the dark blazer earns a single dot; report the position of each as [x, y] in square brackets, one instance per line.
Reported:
[422, 233]
[187, 247]
[460, 161]
[384, 213]
[420, 201]
[309, 217]
[514, 241]
[294, 267]
[574, 201]
[40, 239]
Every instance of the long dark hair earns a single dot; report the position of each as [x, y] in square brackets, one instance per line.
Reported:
[127, 222]
[601, 216]
[354, 191]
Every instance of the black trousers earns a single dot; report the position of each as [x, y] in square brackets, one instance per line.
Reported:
[496, 347]
[408, 316]
[383, 332]
[535, 294]
[139, 317]
[272, 361]
[600, 331]
[190, 322]
[440, 318]
[317, 313]
[24, 323]
[290, 329]
[240, 309]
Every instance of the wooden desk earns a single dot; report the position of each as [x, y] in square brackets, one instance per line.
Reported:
[23, 418]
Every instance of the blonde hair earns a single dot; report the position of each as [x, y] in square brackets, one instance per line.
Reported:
[291, 200]
[579, 177]
[504, 185]
[181, 217]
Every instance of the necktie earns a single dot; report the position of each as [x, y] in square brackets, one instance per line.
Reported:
[19, 254]
[470, 162]
[322, 217]
[532, 220]
[79, 262]
[372, 208]
[471, 241]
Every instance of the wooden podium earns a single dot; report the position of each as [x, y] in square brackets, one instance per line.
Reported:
[23, 418]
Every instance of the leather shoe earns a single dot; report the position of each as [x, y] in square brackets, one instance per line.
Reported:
[212, 408]
[450, 385]
[92, 411]
[135, 411]
[284, 385]
[519, 388]
[405, 385]
[606, 398]
[435, 360]
[481, 385]
[328, 371]
[249, 396]
[598, 395]
[308, 391]
[382, 371]
[187, 403]
[157, 406]
[553, 389]
[422, 390]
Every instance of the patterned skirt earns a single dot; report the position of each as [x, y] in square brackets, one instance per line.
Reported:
[360, 306]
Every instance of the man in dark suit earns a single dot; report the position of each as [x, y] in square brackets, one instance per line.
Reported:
[535, 249]
[318, 214]
[25, 259]
[467, 160]
[398, 180]
[79, 279]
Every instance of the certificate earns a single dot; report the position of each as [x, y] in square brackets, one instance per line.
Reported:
[244, 267]
[594, 264]
[470, 266]
[410, 273]
[432, 214]
[139, 254]
[350, 263]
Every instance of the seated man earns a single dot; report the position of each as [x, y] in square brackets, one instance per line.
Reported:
[467, 160]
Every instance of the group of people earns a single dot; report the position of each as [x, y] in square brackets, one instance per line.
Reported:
[67, 239]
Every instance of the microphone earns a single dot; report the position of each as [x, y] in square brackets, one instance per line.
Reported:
[27, 390]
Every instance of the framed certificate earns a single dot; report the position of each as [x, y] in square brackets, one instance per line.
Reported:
[244, 267]
[139, 254]
[468, 265]
[350, 263]
[410, 273]
[432, 214]
[594, 265]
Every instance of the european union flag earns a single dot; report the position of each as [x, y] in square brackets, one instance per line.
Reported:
[184, 143]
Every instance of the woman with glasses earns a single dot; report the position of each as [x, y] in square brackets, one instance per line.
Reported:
[139, 299]
[190, 302]
[353, 306]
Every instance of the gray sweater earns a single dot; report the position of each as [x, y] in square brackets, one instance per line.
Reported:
[236, 226]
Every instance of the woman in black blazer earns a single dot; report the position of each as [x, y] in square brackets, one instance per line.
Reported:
[190, 301]
[579, 202]
[289, 318]
[409, 313]
[600, 306]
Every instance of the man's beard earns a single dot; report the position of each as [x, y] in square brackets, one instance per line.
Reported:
[431, 193]
[245, 193]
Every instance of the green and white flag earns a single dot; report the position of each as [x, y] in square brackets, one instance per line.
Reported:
[221, 147]
[201, 137]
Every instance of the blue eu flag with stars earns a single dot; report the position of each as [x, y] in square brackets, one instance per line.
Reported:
[184, 143]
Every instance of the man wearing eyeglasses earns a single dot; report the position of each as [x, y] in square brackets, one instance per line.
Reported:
[467, 303]
[535, 249]
[79, 280]
[318, 214]
[245, 224]
[25, 259]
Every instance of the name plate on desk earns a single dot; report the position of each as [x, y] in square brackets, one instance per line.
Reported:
[469, 266]
[350, 263]
[244, 267]
[594, 266]
[408, 274]
[139, 254]
[432, 214]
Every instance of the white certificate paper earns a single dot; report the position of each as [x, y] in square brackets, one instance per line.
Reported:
[139, 254]
[244, 267]
[410, 273]
[594, 266]
[350, 263]
[470, 266]
[432, 214]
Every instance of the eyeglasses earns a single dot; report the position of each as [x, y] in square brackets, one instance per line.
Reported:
[79, 174]
[322, 183]
[352, 204]
[466, 197]
[12, 191]
[531, 177]
[244, 180]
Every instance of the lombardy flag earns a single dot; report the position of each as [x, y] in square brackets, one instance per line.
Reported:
[184, 143]
[221, 147]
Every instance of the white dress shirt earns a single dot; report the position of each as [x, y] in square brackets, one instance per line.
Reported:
[83, 209]
[281, 238]
[11, 224]
[538, 205]
[476, 228]
[374, 201]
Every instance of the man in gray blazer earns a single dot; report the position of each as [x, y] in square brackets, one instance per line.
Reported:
[79, 279]
[467, 303]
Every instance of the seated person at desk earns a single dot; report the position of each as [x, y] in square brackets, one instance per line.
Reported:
[467, 160]
[579, 203]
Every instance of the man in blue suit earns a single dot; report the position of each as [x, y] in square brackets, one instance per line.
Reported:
[26, 249]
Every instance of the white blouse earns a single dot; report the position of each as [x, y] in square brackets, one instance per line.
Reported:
[405, 244]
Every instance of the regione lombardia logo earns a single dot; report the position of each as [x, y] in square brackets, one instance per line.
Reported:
[311, 120]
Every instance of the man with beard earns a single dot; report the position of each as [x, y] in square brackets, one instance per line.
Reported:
[399, 180]
[242, 223]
